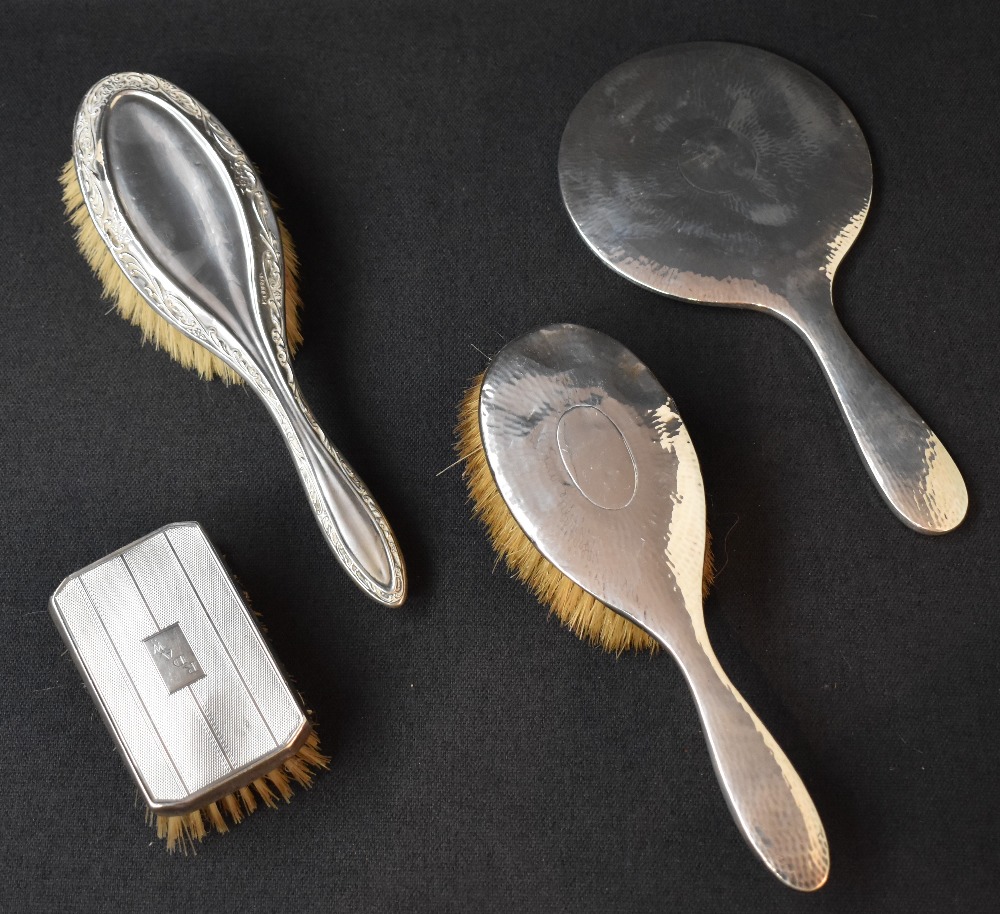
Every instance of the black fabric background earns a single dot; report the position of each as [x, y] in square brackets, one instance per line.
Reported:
[484, 759]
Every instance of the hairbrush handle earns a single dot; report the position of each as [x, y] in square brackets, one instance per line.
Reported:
[349, 517]
[767, 798]
[911, 467]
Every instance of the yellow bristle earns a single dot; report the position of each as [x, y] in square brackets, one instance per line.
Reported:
[216, 818]
[311, 755]
[177, 830]
[279, 781]
[578, 610]
[195, 824]
[301, 766]
[174, 831]
[135, 309]
[232, 804]
[298, 771]
[248, 798]
[265, 793]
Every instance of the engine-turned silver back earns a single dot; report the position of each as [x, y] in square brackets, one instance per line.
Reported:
[182, 677]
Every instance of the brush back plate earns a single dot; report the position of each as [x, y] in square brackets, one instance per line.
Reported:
[594, 462]
[186, 217]
[181, 203]
[177, 668]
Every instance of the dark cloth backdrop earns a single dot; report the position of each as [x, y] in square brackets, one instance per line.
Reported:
[483, 758]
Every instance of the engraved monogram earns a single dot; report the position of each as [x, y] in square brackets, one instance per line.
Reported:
[174, 658]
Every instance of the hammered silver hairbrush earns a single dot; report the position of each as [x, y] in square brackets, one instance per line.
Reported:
[167, 203]
[586, 479]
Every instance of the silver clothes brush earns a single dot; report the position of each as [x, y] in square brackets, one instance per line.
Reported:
[196, 703]
[586, 479]
[726, 175]
[168, 205]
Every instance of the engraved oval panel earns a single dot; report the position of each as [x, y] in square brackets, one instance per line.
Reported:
[597, 457]
[179, 201]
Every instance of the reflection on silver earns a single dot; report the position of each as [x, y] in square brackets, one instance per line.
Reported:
[177, 668]
[726, 175]
[185, 216]
[627, 524]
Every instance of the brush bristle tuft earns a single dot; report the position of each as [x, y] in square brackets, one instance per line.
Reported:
[136, 310]
[578, 610]
[182, 831]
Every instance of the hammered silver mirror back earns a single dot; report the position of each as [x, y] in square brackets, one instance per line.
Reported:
[715, 172]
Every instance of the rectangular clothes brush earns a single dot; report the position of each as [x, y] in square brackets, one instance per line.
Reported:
[196, 703]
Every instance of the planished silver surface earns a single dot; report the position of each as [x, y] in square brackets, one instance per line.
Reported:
[178, 669]
[185, 216]
[591, 456]
[723, 174]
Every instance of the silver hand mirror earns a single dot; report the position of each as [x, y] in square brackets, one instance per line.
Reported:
[596, 466]
[725, 175]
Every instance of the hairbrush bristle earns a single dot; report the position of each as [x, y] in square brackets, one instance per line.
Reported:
[182, 831]
[578, 610]
[134, 308]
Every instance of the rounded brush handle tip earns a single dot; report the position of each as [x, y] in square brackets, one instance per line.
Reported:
[351, 520]
[766, 796]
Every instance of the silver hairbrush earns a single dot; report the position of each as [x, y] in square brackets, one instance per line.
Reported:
[183, 213]
[585, 476]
